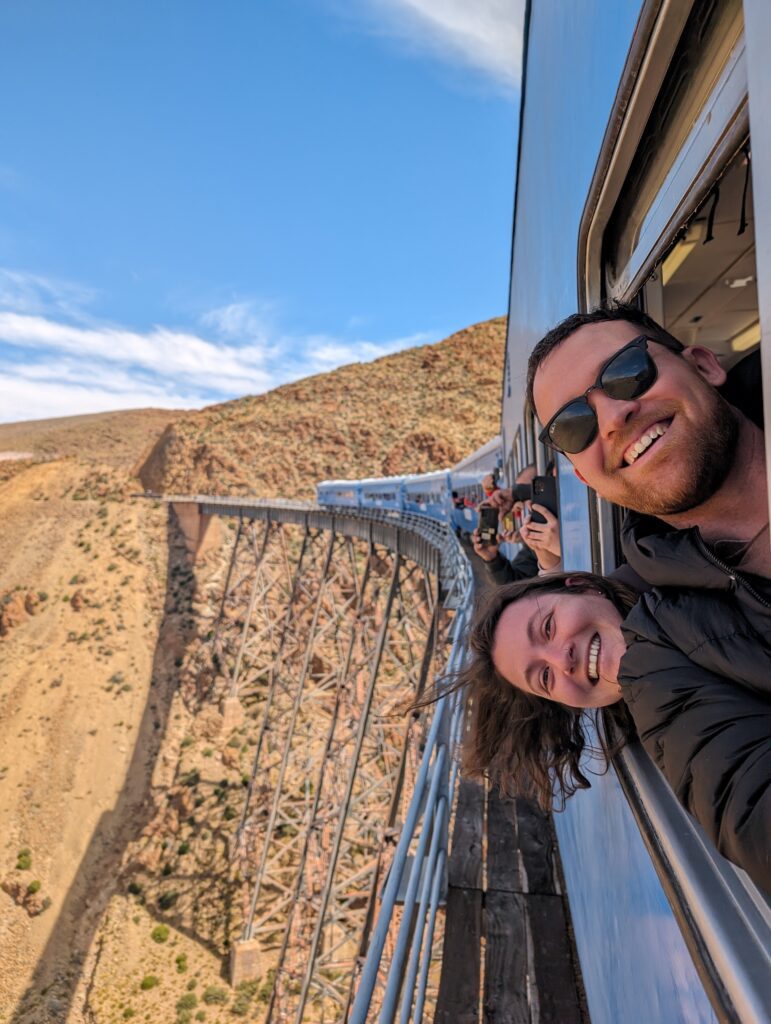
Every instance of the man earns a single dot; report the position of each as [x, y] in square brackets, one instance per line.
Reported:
[643, 422]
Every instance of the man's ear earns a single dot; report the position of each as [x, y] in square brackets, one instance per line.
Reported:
[580, 477]
[705, 362]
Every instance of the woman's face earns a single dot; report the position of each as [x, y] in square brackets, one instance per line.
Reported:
[563, 646]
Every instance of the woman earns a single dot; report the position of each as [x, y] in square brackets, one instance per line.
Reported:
[547, 654]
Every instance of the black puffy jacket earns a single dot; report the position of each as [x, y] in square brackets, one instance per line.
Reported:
[696, 678]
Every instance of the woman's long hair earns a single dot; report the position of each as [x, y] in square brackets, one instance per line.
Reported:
[527, 745]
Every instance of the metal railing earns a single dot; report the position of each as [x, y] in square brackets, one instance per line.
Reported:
[422, 878]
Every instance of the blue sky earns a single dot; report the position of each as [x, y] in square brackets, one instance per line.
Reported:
[201, 199]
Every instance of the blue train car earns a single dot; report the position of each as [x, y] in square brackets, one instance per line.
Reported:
[382, 492]
[466, 482]
[339, 493]
[428, 494]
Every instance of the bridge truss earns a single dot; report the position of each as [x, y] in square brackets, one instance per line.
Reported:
[327, 628]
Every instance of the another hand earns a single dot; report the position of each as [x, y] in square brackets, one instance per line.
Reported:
[502, 499]
[487, 552]
[543, 538]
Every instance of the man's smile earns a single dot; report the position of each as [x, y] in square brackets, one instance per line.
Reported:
[644, 441]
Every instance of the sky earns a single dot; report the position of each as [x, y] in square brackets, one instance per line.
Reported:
[201, 199]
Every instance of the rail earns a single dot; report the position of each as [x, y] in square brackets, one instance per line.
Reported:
[428, 819]
[724, 918]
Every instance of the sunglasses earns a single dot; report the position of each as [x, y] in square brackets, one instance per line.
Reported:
[626, 375]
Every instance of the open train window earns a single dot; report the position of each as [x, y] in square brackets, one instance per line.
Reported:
[669, 221]
[705, 290]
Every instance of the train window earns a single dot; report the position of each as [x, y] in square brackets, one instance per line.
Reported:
[673, 228]
[705, 290]
[695, 125]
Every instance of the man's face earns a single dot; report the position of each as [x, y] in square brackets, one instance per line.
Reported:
[690, 458]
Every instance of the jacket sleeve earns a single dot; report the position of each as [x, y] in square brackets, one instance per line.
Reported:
[522, 567]
[712, 740]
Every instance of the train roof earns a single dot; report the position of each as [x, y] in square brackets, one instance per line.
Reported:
[495, 444]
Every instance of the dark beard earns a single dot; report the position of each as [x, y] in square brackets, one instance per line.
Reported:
[709, 463]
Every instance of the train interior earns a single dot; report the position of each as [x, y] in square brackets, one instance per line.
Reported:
[705, 290]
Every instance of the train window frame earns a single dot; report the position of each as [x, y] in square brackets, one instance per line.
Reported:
[715, 136]
[758, 34]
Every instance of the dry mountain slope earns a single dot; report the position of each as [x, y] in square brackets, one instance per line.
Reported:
[415, 411]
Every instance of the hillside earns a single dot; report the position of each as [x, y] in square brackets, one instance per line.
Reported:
[411, 412]
[101, 613]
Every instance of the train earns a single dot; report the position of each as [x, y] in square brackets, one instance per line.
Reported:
[643, 150]
[449, 495]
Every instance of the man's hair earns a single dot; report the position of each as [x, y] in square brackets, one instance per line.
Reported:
[602, 314]
[525, 744]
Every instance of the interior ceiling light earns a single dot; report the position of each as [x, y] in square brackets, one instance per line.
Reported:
[693, 237]
[747, 338]
[739, 282]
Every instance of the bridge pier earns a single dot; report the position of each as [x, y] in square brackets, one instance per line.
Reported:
[201, 532]
[245, 961]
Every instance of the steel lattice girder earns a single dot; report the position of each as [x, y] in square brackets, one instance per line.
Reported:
[325, 638]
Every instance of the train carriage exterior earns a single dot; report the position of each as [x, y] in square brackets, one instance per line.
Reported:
[644, 135]
[383, 492]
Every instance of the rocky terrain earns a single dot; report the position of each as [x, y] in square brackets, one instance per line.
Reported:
[412, 412]
[119, 783]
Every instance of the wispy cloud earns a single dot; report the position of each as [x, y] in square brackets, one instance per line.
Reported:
[57, 360]
[485, 35]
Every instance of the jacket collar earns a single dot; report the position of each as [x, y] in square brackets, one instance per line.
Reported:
[667, 557]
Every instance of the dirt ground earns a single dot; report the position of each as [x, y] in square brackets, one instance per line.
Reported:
[96, 613]
[75, 677]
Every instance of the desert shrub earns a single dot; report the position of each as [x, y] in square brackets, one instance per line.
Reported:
[181, 963]
[33, 887]
[149, 981]
[229, 813]
[166, 870]
[191, 778]
[160, 933]
[215, 995]
[167, 900]
[192, 984]
[188, 1001]
[245, 993]
[128, 1013]
[183, 848]
[24, 859]
[188, 741]
[134, 888]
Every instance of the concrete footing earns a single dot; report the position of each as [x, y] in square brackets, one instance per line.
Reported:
[245, 961]
[232, 714]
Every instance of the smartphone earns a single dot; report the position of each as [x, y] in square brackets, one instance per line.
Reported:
[545, 493]
[488, 524]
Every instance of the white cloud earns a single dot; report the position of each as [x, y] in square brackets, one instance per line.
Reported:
[51, 367]
[29, 293]
[22, 399]
[485, 35]
[174, 354]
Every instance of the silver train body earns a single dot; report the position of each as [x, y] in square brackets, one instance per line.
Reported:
[634, 151]
[636, 121]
